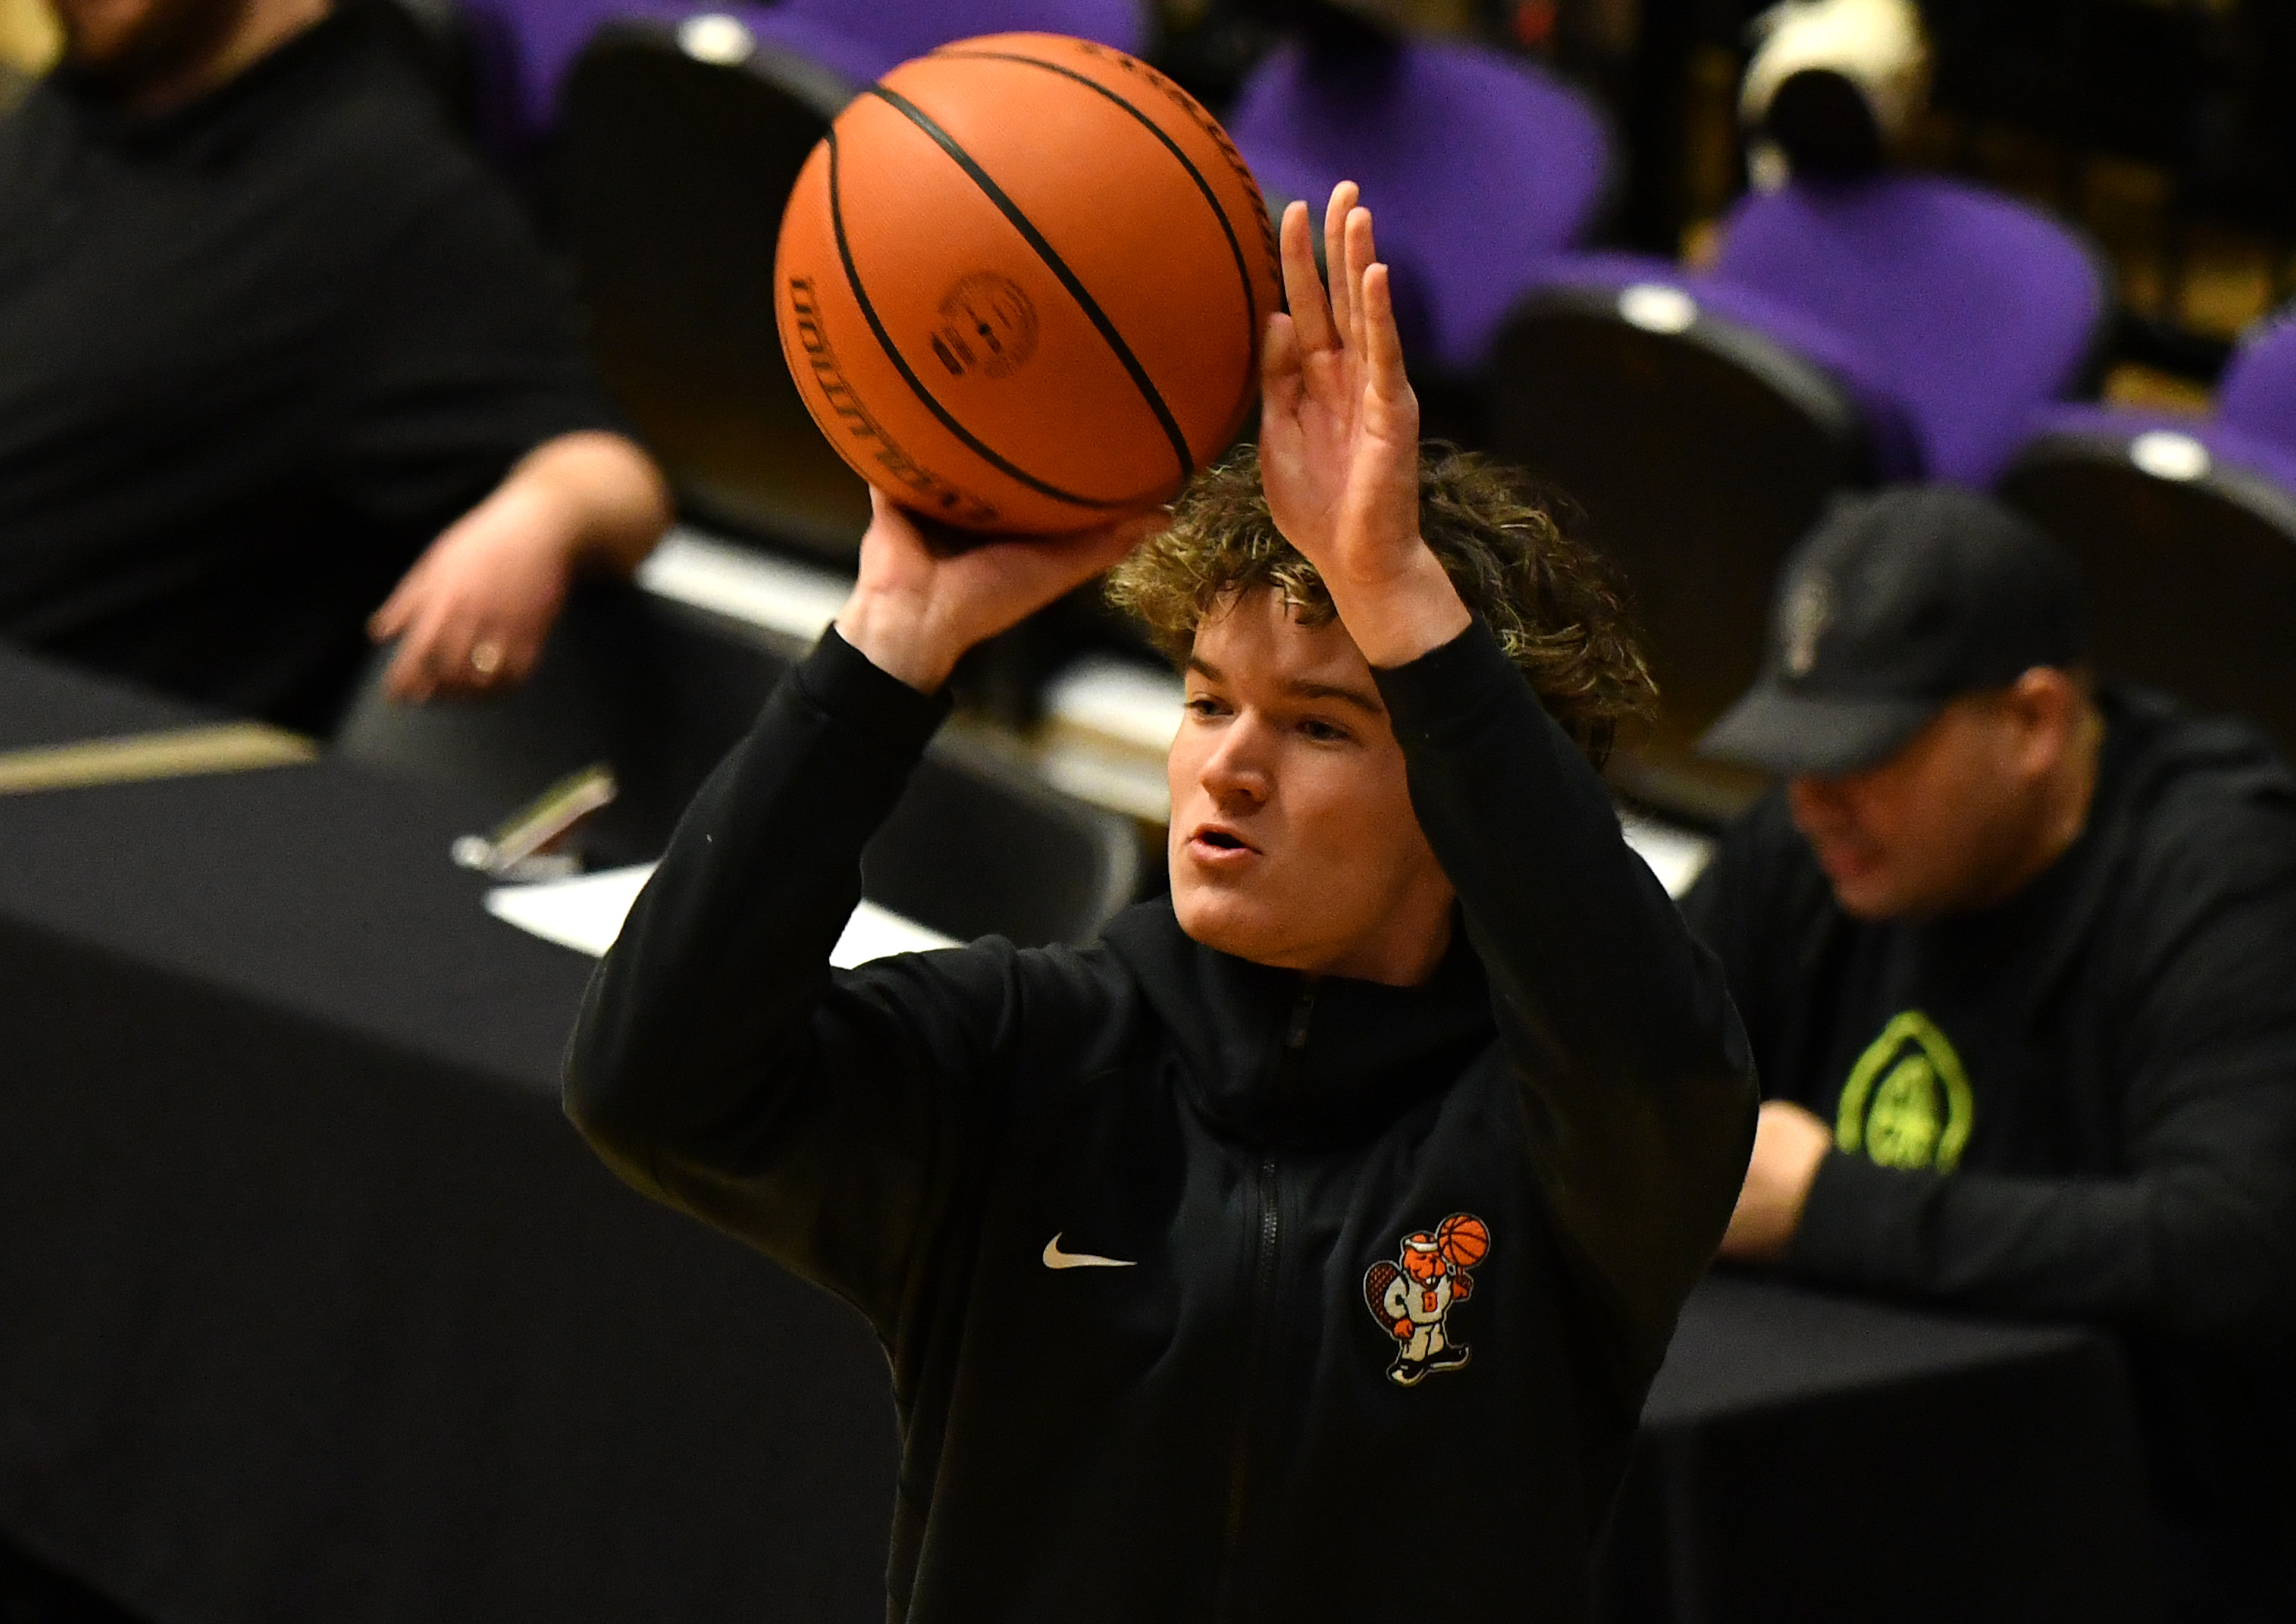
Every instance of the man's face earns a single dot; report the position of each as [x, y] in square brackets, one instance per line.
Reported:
[1936, 828]
[134, 39]
[1293, 840]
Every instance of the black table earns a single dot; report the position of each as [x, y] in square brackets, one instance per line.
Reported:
[312, 1307]
[1808, 1459]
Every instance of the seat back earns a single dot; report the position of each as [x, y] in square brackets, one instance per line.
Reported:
[1972, 309]
[1479, 168]
[904, 29]
[2258, 392]
[2190, 579]
[675, 170]
[980, 847]
[654, 690]
[659, 692]
[1701, 450]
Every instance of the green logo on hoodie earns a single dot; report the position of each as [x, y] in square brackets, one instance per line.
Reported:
[1908, 1102]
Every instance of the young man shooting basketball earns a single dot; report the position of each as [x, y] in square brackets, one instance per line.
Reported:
[1303, 1249]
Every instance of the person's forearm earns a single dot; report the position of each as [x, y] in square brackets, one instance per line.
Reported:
[1641, 1093]
[1402, 614]
[2186, 1249]
[595, 496]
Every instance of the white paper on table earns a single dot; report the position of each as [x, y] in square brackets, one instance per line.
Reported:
[585, 913]
[1676, 855]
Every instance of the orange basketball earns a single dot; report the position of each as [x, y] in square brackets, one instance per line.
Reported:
[1462, 1240]
[1021, 285]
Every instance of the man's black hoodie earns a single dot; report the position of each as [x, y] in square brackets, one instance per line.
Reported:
[2124, 1030]
[1130, 1221]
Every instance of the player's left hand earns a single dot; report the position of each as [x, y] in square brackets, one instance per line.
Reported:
[473, 613]
[1789, 1145]
[1338, 440]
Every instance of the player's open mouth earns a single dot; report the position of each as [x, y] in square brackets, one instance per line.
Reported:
[1211, 843]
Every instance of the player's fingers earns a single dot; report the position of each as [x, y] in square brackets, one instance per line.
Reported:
[1336, 215]
[1279, 355]
[407, 678]
[1358, 255]
[1383, 342]
[1303, 289]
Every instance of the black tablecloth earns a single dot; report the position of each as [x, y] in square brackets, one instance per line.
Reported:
[312, 1307]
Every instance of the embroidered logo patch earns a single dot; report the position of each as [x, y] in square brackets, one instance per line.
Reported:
[1412, 1297]
[1907, 1103]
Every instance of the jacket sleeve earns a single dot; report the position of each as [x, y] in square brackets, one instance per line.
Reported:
[2199, 1236]
[721, 1066]
[1637, 1088]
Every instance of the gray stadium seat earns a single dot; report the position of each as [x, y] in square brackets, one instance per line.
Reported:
[2192, 579]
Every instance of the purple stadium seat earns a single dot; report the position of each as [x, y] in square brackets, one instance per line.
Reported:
[2257, 395]
[525, 48]
[1478, 166]
[900, 29]
[1970, 308]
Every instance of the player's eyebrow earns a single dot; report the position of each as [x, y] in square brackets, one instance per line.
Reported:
[1301, 689]
[1367, 703]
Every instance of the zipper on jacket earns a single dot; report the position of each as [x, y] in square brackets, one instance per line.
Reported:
[1260, 1323]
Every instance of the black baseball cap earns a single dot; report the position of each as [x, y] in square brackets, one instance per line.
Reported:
[1895, 604]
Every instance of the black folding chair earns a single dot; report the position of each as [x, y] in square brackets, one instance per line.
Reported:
[1701, 450]
[2191, 581]
[673, 173]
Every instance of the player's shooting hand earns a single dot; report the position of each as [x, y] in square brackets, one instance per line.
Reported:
[1338, 440]
[925, 596]
[1402, 1330]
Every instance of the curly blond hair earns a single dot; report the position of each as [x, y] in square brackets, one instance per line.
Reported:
[1556, 607]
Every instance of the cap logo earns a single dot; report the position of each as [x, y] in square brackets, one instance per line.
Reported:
[1809, 611]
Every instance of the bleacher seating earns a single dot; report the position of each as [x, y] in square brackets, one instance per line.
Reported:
[1893, 327]
[673, 166]
[659, 690]
[1971, 308]
[899, 29]
[1479, 168]
[2186, 528]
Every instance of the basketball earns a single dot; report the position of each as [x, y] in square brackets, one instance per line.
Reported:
[1462, 1240]
[1021, 285]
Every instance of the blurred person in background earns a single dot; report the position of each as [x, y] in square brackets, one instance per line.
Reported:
[282, 367]
[2017, 960]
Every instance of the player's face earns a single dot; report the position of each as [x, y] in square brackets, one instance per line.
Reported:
[1932, 829]
[1293, 840]
[133, 38]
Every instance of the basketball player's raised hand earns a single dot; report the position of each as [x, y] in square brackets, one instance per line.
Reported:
[924, 598]
[1339, 441]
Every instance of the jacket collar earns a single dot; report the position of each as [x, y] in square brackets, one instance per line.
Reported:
[1279, 1059]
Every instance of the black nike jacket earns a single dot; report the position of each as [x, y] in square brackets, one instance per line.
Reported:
[1386, 1270]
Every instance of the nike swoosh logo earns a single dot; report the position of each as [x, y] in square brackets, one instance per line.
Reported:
[1055, 1258]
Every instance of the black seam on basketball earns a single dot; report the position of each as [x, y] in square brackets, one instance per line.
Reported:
[1054, 263]
[917, 384]
[1235, 247]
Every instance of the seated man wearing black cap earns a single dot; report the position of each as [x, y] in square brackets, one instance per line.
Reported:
[2018, 961]
[275, 354]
